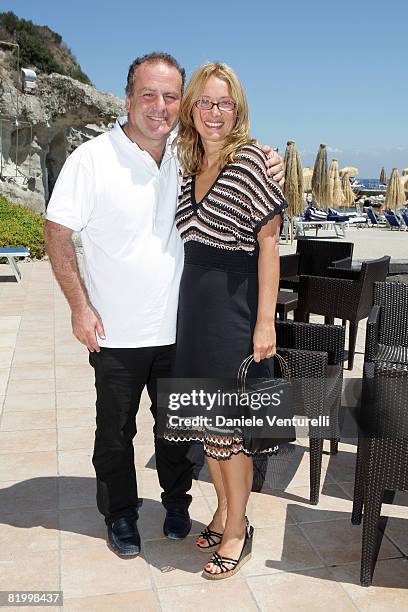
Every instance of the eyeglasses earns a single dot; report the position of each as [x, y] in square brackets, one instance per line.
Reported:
[222, 105]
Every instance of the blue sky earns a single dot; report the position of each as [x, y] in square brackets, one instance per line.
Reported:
[314, 71]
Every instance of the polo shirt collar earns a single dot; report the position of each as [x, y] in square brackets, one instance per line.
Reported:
[118, 132]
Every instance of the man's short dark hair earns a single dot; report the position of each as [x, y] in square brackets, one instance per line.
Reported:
[151, 58]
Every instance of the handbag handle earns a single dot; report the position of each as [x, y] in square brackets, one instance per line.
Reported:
[244, 367]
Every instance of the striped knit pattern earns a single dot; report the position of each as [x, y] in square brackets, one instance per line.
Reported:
[242, 199]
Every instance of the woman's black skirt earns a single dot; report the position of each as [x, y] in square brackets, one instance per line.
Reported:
[216, 320]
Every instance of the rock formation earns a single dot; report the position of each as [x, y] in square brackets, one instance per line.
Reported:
[51, 123]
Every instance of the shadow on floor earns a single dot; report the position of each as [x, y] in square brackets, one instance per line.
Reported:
[8, 279]
[338, 543]
[67, 504]
[272, 475]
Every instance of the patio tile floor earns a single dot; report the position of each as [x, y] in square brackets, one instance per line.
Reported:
[52, 537]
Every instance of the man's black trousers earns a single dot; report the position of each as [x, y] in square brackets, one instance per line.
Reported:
[120, 376]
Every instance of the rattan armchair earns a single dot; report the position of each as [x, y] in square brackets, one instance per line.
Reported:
[312, 257]
[315, 357]
[346, 294]
[382, 455]
[387, 325]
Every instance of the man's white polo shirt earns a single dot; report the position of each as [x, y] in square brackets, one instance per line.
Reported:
[124, 206]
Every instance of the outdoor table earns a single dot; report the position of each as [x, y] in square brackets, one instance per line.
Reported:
[286, 302]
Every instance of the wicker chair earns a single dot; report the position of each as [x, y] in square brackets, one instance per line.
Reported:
[312, 257]
[315, 357]
[346, 294]
[387, 325]
[382, 455]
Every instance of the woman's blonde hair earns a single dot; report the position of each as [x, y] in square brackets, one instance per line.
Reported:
[190, 150]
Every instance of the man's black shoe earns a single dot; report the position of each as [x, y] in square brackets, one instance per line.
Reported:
[124, 538]
[177, 524]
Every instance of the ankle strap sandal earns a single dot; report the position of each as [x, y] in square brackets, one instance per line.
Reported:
[229, 567]
[213, 538]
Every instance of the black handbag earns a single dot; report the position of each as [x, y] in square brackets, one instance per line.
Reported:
[267, 424]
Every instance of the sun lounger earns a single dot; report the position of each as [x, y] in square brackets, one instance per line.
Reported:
[404, 217]
[313, 214]
[372, 217]
[301, 226]
[11, 254]
[335, 215]
[317, 219]
[359, 220]
[392, 220]
[356, 218]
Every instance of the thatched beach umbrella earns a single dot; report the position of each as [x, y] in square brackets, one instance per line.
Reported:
[404, 181]
[336, 196]
[307, 178]
[395, 196]
[293, 180]
[348, 193]
[350, 170]
[383, 176]
[320, 178]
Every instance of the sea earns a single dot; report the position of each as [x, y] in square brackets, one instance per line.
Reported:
[369, 183]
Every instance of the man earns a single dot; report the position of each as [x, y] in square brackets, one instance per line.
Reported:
[120, 190]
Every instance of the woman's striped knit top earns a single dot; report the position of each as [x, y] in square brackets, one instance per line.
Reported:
[240, 201]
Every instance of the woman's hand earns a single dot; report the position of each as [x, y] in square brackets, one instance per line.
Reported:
[264, 340]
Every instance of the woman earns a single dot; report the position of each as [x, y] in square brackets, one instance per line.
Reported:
[229, 219]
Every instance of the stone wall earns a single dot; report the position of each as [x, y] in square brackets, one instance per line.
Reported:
[52, 122]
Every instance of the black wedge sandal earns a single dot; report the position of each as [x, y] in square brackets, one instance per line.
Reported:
[235, 564]
[213, 539]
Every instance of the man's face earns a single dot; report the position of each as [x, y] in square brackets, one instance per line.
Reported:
[153, 108]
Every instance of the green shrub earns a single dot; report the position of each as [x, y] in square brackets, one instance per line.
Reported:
[40, 46]
[34, 50]
[79, 75]
[21, 227]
